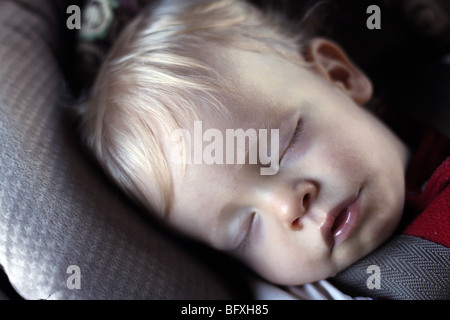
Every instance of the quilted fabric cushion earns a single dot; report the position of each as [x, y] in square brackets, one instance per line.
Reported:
[405, 268]
[56, 209]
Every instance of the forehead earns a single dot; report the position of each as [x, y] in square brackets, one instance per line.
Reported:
[259, 78]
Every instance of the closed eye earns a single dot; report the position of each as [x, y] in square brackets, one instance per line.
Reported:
[294, 137]
[248, 233]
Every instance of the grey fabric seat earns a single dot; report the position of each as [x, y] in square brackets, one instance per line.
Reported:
[56, 207]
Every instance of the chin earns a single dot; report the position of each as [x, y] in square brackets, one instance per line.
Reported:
[374, 233]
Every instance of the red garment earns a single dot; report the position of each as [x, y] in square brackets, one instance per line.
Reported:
[433, 203]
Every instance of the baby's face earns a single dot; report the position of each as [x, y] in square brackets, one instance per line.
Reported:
[338, 191]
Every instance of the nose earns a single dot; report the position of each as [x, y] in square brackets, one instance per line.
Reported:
[292, 203]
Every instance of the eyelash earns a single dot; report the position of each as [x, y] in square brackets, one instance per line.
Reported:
[297, 133]
[250, 228]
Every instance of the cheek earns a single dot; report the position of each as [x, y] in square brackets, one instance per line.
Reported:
[385, 201]
[339, 163]
[358, 147]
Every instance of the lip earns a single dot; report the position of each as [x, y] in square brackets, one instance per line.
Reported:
[340, 222]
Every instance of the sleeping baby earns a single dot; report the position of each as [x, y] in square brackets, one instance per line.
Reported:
[190, 82]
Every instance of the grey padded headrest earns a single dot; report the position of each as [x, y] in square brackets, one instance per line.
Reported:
[56, 209]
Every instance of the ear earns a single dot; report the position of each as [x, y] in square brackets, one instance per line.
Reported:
[331, 62]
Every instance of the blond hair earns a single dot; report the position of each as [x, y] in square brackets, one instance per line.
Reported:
[156, 77]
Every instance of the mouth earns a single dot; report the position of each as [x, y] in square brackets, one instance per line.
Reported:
[341, 222]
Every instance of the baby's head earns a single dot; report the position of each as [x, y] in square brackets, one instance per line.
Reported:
[191, 82]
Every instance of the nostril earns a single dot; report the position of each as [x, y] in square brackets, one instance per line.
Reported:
[297, 224]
